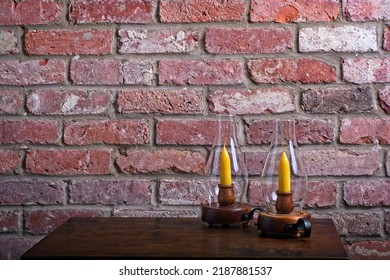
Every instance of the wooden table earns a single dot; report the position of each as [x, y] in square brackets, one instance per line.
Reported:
[180, 238]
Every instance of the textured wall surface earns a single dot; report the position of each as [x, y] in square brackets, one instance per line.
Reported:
[106, 107]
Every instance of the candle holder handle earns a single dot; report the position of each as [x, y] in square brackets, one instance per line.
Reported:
[303, 225]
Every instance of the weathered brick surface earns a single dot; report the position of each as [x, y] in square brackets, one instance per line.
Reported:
[29, 12]
[341, 162]
[8, 42]
[28, 192]
[358, 10]
[174, 192]
[185, 132]
[160, 101]
[111, 11]
[111, 72]
[200, 72]
[68, 102]
[187, 11]
[68, 162]
[294, 11]
[365, 131]
[158, 41]
[346, 38]
[364, 224]
[338, 100]
[45, 221]
[387, 221]
[161, 161]
[86, 41]
[10, 161]
[110, 192]
[384, 98]
[388, 164]
[33, 72]
[12, 248]
[29, 131]
[9, 221]
[255, 161]
[259, 101]
[367, 193]
[303, 70]
[130, 132]
[386, 41]
[366, 70]
[369, 250]
[308, 131]
[11, 102]
[241, 41]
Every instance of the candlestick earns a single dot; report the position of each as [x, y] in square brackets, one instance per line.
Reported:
[284, 174]
[225, 168]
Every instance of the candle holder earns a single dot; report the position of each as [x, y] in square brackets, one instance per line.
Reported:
[227, 191]
[283, 186]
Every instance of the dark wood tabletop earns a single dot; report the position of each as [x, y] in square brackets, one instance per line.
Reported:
[180, 238]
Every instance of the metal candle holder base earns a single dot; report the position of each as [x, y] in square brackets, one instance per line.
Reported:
[224, 215]
[293, 224]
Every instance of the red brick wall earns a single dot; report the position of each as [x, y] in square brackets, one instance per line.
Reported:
[100, 98]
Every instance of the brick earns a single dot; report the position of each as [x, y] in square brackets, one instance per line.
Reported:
[294, 11]
[29, 12]
[180, 192]
[160, 101]
[187, 11]
[9, 221]
[12, 248]
[256, 101]
[247, 41]
[106, 192]
[386, 41]
[303, 70]
[111, 72]
[138, 72]
[341, 162]
[45, 221]
[33, 72]
[360, 224]
[367, 193]
[384, 98]
[200, 72]
[111, 11]
[68, 102]
[387, 221]
[368, 250]
[158, 41]
[307, 131]
[161, 161]
[185, 132]
[346, 38]
[83, 71]
[10, 161]
[255, 161]
[129, 132]
[142, 213]
[86, 41]
[11, 102]
[30, 192]
[68, 162]
[321, 194]
[365, 131]
[338, 100]
[373, 10]
[8, 42]
[29, 131]
[366, 70]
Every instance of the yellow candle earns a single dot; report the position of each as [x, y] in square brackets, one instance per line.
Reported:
[284, 174]
[225, 169]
